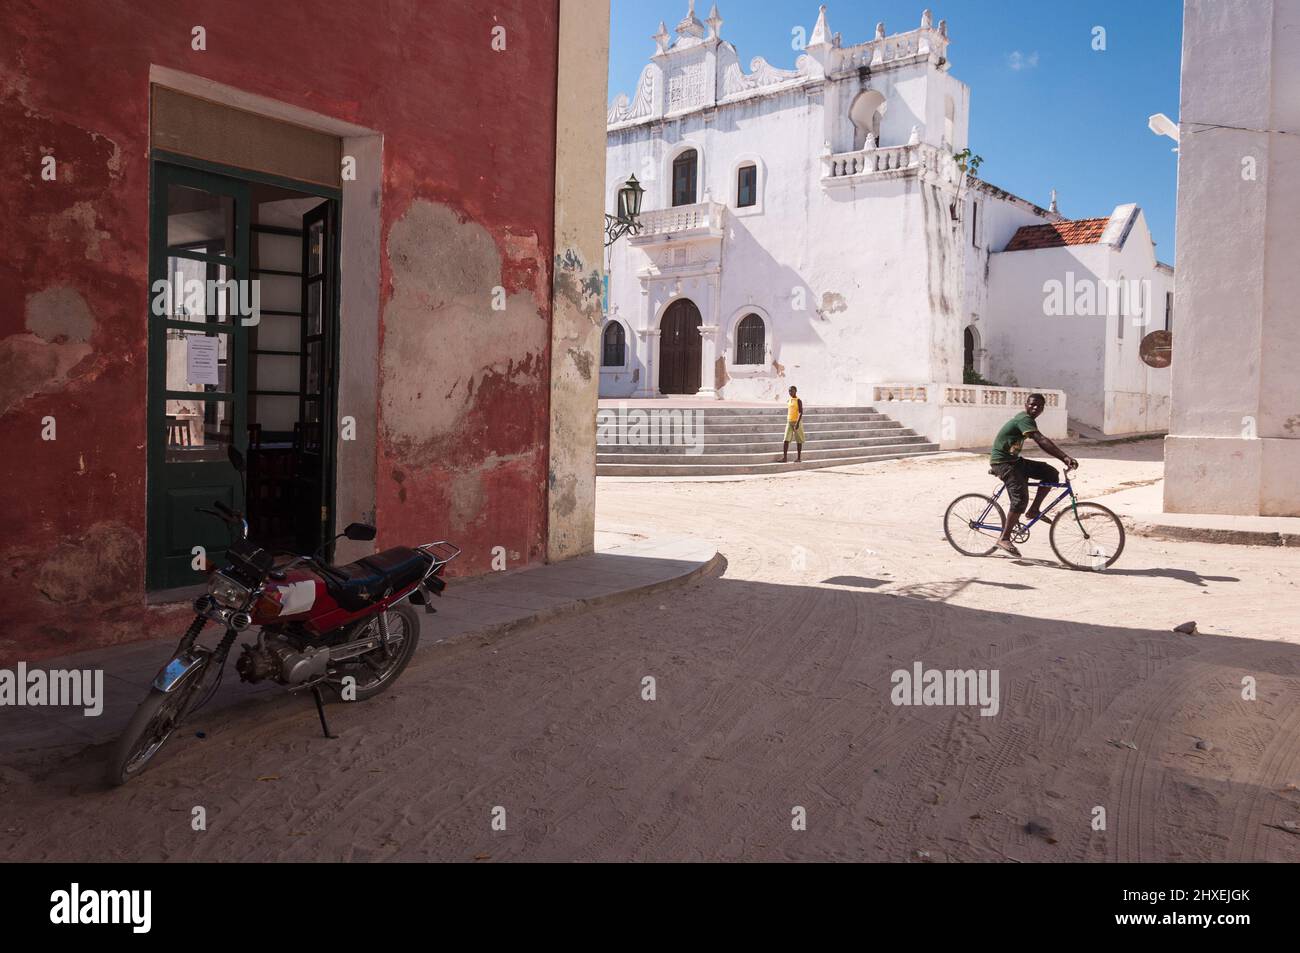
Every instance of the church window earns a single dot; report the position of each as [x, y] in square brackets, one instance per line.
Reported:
[747, 186]
[685, 169]
[614, 346]
[750, 343]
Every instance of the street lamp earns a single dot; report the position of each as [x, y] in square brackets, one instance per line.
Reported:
[1162, 125]
[629, 211]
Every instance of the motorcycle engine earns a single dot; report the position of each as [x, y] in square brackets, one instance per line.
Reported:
[274, 658]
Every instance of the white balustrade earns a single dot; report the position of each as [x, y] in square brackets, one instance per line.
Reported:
[702, 216]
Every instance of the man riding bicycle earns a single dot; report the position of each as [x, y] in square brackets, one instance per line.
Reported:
[1015, 471]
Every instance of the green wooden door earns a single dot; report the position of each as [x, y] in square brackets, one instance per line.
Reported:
[198, 327]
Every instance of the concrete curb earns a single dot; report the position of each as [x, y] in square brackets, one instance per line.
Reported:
[483, 607]
[577, 606]
[1207, 534]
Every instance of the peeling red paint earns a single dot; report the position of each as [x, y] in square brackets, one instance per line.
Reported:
[464, 126]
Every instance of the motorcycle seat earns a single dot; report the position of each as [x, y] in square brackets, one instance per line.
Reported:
[356, 585]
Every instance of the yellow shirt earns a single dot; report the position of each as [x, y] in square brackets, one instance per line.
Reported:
[792, 409]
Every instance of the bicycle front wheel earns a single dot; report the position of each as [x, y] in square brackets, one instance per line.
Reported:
[1087, 537]
[973, 524]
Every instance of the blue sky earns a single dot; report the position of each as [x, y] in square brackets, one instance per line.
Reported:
[1047, 111]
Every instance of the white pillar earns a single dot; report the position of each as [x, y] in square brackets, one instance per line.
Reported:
[1234, 443]
[648, 386]
[708, 360]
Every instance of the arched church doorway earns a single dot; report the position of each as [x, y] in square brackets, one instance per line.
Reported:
[680, 348]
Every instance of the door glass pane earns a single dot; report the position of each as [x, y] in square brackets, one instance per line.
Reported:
[200, 221]
[313, 367]
[315, 249]
[313, 307]
[196, 430]
[199, 291]
[198, 361]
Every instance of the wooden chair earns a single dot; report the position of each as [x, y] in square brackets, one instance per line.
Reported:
[178, 432]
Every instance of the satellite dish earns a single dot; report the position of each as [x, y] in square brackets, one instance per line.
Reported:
[1156, 348]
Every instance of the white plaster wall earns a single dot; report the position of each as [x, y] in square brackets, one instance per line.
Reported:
[1137, 395]
[1235, 432]
[998, 217]
[1028, 347]
[1110, 388]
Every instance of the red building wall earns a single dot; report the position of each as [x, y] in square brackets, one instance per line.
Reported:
[468, 154]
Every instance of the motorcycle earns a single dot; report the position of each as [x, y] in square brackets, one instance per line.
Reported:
[349, 630]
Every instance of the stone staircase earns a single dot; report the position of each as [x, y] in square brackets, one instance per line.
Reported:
[727, 441]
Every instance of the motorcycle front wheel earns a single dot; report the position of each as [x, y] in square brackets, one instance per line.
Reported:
[150, 727]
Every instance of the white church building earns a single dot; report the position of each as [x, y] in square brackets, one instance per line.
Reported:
[817, 226]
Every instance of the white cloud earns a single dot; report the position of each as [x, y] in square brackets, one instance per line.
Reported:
[1018, 61]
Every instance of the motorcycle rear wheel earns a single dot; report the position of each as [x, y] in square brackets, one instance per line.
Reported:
[149, 728]
[373, 672]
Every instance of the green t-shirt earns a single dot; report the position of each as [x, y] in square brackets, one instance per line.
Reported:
[1007, 444]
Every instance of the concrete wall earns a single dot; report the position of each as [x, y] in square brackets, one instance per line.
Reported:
[575, 318]
[961, 417]
[1234, 444]
[463, 195]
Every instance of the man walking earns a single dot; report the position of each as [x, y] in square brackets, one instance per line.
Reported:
[793, 427]
[1015, 471]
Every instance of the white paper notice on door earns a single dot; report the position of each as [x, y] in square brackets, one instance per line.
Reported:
[200, 359]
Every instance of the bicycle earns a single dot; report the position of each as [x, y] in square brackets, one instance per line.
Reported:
[1087, 536]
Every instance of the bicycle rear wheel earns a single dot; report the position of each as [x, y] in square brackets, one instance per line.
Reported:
[973, 524]
[1089, 537]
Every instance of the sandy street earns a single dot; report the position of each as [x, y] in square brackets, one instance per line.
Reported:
[773, 685]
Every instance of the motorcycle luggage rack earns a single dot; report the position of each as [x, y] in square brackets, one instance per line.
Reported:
[441, 552]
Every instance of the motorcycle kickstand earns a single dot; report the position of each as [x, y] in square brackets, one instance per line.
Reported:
[320, 710]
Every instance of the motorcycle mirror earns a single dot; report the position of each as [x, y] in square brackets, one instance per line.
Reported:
[236, 458]
[360, 532]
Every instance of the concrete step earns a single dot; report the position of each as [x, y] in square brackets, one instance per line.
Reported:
[722, 409]
[758, 469]
[738, 418]
[768, 455]
[750, 446]
[766, 435]
[819, 429]
[747, 440]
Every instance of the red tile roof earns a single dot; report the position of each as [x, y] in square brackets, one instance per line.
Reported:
[1084, 231]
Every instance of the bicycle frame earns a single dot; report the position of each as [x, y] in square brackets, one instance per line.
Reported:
[1068, 491]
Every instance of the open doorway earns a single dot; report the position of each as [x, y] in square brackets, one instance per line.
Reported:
[290, 368]
[242, 353]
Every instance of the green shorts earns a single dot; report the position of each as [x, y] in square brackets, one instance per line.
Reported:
[793, 433]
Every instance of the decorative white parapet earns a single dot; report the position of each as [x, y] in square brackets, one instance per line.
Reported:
[701, 220]
[880, 162]
[871, 161]
[698, 70]
[881, 50]
[960, 416]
